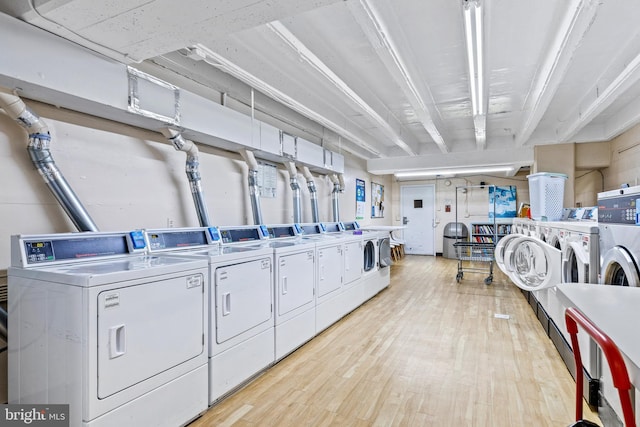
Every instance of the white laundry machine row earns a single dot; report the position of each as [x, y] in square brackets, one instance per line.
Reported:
[119, 335]
[241, 298]
[618, 221]
[537, 267]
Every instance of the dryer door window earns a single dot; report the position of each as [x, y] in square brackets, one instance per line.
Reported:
[385, 253]
[146, 329]
[618, 268]
[575, 268]
[500, 250]
[532, 264]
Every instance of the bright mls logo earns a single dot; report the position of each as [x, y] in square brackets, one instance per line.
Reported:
[34, 415]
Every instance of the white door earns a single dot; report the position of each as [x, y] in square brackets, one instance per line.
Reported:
[352, 261]
[417, 204]
[242, 297]
[295, 284]
[146, 329]
[330, 269]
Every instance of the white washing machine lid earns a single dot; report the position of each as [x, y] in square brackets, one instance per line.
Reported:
[533, 264]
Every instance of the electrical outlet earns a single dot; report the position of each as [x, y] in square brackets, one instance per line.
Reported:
[169, 223]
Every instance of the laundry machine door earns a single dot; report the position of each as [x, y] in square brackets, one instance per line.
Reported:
[500, 250]
[575, 264]
[329, 265]
[243, 297]
[533, 264]
[146, 329]
[295, 284]
[385, 252]
[619, 268]
[352, 261]
[369, 255]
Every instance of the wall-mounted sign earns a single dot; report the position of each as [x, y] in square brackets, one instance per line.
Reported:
[360, 199]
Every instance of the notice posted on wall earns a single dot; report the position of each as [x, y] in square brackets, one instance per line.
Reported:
[360, 199]
[267, 179]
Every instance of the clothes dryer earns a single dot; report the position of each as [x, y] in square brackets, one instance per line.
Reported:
[240, 306]
[118, 335]
[294, 279]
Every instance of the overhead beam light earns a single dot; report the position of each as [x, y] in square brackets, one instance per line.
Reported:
[453, 171]
[473, 22]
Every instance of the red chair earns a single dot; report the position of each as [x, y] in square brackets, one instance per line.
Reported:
[573, 317]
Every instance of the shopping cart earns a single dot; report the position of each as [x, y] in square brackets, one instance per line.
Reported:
[474, 253]
[573, 318]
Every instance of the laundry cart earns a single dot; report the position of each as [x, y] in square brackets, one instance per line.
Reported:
[472, 255]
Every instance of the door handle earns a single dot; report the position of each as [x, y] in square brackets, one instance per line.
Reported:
[117, 341]
[284, 285]
[226, 304]
[405, 220]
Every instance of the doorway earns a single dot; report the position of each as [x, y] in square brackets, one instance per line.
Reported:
[417, 208]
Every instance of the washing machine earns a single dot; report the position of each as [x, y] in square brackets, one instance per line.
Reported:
[581, 254]
[618, 214]
[118, 335]
[241, 300]
[384, 260]
[294, 278]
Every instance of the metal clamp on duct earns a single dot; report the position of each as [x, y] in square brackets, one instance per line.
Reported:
[311, 185]
[192, 170]
[254, 190]
[39, 141]
[338, 187]
[295, 187]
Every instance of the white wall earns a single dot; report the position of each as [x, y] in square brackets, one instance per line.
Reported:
[129, 178]
[625, 160]
[471, 207]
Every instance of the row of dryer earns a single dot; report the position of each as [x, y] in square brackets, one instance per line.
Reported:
[151, 327]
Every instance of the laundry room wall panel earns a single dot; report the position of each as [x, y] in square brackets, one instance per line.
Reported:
[587, 186]
[625, 158]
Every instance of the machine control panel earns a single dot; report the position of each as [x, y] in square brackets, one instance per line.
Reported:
[66, 247]
[618, 210]
[311, 229]
[333, 227]
[243, 234]
[283, 231]
[177, 238]
[137, 240]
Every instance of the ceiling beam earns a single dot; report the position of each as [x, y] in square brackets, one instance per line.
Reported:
[218, 61]
[576, 23]
[584, 114]
[518, 157]
[398, 64]
[321, 68]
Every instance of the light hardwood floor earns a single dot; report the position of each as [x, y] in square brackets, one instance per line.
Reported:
[427, 351]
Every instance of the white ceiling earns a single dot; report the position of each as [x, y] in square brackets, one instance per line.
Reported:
[385, 80]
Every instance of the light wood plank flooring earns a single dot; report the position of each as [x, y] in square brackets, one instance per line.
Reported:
[427, 351]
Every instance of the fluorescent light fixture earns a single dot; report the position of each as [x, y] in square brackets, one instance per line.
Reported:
[453, 171]
[473, 30]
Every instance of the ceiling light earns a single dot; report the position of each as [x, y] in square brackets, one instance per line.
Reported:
[473, 22]
[453, 171]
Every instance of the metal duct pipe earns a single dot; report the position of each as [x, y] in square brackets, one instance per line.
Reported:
[334, 196]
[254, 191]
[295, 187]
[192, 169]
[311, 185]
[39, 141]
[3, 324]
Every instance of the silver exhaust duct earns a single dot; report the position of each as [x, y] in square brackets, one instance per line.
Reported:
[192, 169]
[311, 185]
[39, 142]
[295, 187]
[337, 188]
[254, 191]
